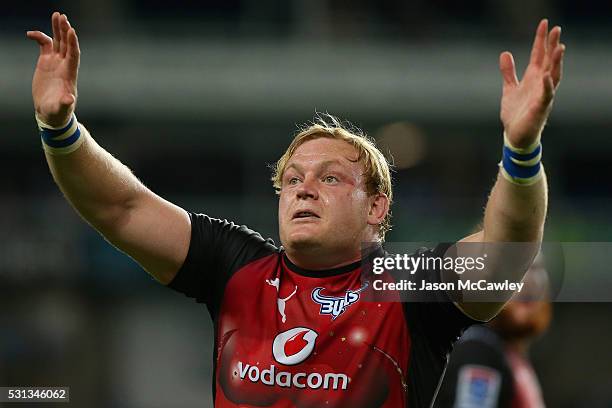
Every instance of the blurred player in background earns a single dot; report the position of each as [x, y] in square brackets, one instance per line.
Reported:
[489, 366]
[290, 329]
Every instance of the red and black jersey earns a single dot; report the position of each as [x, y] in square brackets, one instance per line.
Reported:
[484, 372]
[290, 337]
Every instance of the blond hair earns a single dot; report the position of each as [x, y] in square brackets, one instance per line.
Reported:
[377, 170]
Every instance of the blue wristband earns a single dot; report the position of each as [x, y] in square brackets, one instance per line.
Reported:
[521, 166]
[62, 140]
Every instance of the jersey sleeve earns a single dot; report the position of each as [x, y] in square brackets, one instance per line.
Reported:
[440, 319]
[435, 324]
[217, 249]
[477, 375]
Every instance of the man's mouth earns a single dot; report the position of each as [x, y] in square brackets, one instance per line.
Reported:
[305, 214]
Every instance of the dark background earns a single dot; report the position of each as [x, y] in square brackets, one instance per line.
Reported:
[198, 98]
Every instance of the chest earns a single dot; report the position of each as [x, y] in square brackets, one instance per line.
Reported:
[284, 338]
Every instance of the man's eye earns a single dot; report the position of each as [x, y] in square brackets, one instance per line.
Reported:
[330, 179]
[293, 181]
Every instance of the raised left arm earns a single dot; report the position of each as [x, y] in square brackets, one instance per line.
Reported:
[516, 208]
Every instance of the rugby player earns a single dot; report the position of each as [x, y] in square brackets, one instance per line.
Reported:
[290, 329]
[489, 366]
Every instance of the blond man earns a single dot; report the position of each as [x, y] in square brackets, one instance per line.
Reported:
[328, 346]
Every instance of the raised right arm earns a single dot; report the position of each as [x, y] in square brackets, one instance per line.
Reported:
[153, 231]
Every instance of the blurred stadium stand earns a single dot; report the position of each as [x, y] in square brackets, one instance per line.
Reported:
[199, 97]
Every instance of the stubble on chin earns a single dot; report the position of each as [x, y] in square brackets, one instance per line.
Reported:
[304, 244]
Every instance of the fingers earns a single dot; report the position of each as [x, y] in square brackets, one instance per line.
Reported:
[60, 25]
[557, 64]
[64, 27]
[56, 31]
[73, 52]
[508, 69]
[552, 44]
[45, 42]
[554, 56]
[538, 51]
[553, 39]
[547, 52]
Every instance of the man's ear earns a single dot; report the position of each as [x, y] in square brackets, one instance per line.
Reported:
[379, 208]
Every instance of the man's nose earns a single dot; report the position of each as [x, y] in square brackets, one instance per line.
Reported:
[308, 189]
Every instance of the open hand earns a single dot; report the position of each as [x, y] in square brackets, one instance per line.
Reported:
[54, 86]
[525, 105]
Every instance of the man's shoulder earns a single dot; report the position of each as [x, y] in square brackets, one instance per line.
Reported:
[222, 233]
[483, 335]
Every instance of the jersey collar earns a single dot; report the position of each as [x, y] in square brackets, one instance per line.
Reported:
[322, 273]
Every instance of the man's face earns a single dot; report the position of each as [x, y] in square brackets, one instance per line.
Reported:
[529, 312]
[323, 200]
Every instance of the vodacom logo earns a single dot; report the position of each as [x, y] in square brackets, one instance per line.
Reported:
[290, 348]
[293, 346]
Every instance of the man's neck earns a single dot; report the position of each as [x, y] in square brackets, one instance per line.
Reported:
[322, 258]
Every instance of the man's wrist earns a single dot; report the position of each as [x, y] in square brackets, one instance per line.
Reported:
[52, 122]
[522, 166]
[523, 150]
[60, 140]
